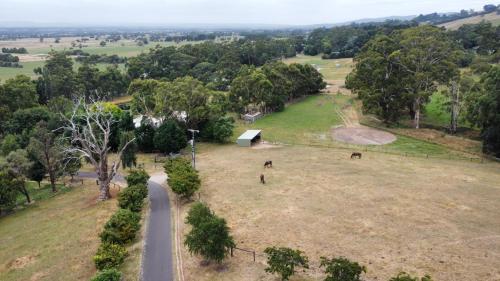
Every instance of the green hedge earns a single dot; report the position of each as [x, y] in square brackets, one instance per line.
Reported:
[109, 256]
[137, 177]
[132, 197]
[121, 227]
[107, 275]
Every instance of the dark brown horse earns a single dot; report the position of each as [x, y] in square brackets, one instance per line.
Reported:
[356, 154]
[268, 164]
[262, 180]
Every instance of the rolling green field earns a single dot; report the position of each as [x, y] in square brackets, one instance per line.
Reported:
[335, 69]
[309, 122]
[29, 67]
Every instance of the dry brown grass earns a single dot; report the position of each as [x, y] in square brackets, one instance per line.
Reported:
[56, 238]
[387, 212]
[494, 18]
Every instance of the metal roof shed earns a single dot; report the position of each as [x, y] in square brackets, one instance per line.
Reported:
[249, 137]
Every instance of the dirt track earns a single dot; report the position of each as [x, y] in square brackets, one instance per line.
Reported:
[354, 133]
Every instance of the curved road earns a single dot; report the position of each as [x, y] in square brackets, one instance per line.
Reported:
[157, 255]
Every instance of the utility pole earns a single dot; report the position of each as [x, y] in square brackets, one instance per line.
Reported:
[193, 156]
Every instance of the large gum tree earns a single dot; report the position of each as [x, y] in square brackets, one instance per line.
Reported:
[89, 129]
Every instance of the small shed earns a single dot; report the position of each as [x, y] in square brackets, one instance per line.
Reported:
[249, 137]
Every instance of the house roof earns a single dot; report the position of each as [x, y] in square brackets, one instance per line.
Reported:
[249, 134]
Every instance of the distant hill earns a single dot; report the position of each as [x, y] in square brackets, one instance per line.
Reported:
[359, 21]
[494, 18]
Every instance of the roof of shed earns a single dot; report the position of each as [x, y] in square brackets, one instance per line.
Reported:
[249, 134]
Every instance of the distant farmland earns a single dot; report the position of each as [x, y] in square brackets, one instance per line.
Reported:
[494, 18]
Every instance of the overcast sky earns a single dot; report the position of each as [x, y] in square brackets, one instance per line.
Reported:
[296, 12]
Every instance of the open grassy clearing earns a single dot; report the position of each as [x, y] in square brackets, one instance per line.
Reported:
[334, 71]
[494, 18]
[29, 67]
[125, 48]
[310, 121]
[387, 212]
[54, 239]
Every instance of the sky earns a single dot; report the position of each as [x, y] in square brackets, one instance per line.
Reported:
[158, 12]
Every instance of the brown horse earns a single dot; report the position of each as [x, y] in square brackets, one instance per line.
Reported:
[356, 154]
[262, 180]
[268, 164]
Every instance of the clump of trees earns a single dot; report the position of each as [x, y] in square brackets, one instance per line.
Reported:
[15, 50]
[390, 81]
[8, 60]
[347, 41]
[209, 235]
[269, 88]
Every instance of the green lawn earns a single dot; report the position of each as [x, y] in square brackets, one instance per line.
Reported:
[307, 121]
[435, 111]
[40, 193]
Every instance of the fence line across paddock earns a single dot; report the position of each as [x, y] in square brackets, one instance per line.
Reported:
[358, 148]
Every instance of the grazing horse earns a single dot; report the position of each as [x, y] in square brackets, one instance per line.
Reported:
[262, 180]
[356, 154]
[268, 164]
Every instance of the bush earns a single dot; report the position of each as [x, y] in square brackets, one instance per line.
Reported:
[176, 163]
[403, 276]
[121, 227]
[210, 239]
[342, 269]
[198, 214]
[182, 178]
[136, 177]
[108, 275]
[109, 256]
[9, 144]
[170, 137]
[184, 182]
[284, 260]
[219, 130]
[132, 197]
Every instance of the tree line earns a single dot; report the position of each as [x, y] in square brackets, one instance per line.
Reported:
[396, 74]
[346, 41]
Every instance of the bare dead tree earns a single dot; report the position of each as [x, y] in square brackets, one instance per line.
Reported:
[90, 127]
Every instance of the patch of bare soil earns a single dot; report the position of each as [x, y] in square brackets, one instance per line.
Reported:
[336, 86]
[362, 135]
[21, 262]
[354, 133]
[265, 145]
[30, 58]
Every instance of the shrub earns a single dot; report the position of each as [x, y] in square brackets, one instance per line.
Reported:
[219, 130]
[342, 269]
[210, 239]
[9, 144]
[284, 260]
[132, 197]
[107, 275]
[121, 227]
[198, 213]
[137, 177]
[184, 182]
[109, 256]
[403, 276]
[182, 178]
[176, 163]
